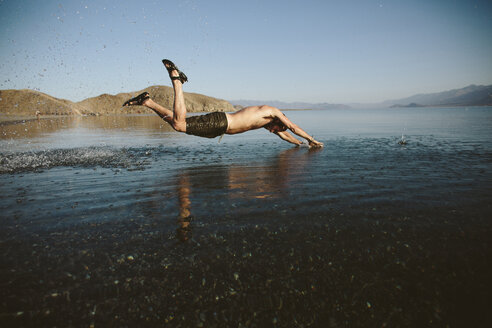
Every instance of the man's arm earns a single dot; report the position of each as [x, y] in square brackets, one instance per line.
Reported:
[296, 129]
[288, 137]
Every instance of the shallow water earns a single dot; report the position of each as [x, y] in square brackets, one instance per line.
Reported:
[248, 206]
[71, 170]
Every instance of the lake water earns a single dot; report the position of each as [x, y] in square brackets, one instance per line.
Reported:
[69, 170]
[103, 182]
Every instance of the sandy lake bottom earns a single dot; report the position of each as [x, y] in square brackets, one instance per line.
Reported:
[119, 221]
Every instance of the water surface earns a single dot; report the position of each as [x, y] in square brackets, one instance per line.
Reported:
[254, 207]
[108, 165]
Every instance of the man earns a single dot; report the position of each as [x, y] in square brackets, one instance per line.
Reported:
[219, 123]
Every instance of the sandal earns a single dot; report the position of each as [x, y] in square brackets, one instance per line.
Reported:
[138, 100]
[170, 67]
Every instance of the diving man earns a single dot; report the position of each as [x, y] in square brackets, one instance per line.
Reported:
[218, 123]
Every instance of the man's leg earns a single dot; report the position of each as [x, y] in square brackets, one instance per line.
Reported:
[179, 117]
[143, 99]
[164, 113]
[176, 118]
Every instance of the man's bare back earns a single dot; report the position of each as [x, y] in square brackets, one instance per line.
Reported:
[249, 118]
[246, 119]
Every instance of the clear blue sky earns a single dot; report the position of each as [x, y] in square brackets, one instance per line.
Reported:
[314, 51]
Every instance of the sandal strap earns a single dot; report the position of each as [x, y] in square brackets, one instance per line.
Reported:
[170, 66]
[138, 100]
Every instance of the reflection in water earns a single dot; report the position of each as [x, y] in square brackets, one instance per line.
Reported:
[184, 219]
[272, 179]
[34, 128]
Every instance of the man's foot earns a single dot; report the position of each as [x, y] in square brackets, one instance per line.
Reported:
[138, 100]
[174, 72]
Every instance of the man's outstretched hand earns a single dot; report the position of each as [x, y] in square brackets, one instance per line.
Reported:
[315, 144]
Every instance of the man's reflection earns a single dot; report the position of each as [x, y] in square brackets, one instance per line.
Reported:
[261, 180]
[184, 219]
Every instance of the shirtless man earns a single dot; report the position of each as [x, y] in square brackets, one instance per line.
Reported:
[219, 123]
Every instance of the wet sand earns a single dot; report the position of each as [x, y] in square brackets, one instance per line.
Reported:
[246, 233]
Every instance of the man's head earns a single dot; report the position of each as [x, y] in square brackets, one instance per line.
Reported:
[275, 126]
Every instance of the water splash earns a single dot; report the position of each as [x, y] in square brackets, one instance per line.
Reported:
[75, 157]
[402, 141]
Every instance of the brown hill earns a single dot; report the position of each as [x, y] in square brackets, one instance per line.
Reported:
[28, 102]
[109, 104]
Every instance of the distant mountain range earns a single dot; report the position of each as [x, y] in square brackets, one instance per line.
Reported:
[28, 102]
[288, 105]
[472, 95]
